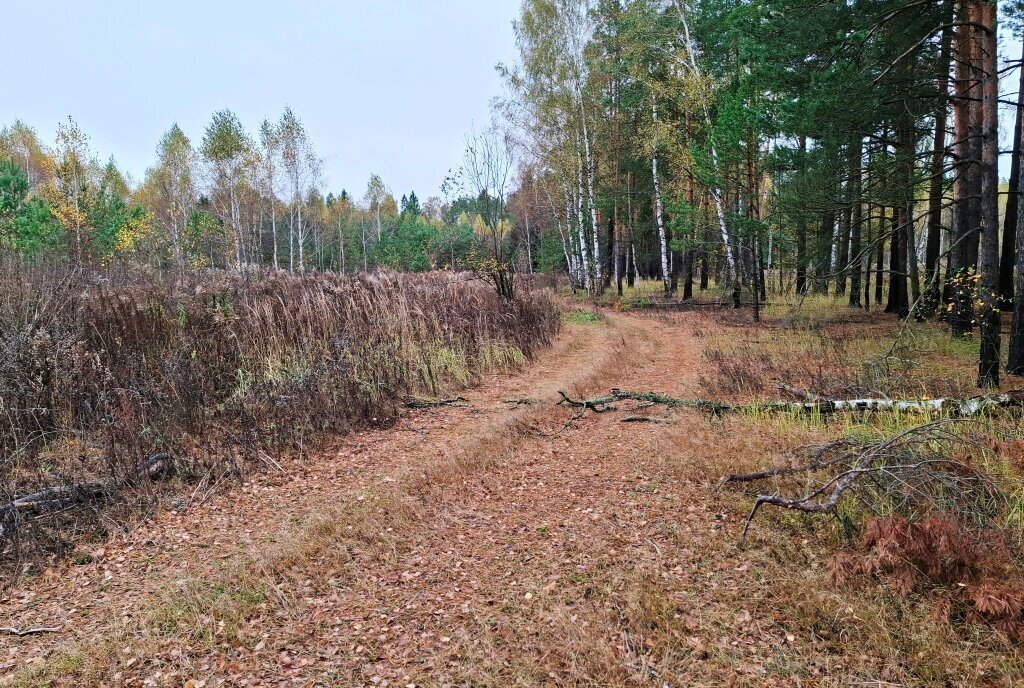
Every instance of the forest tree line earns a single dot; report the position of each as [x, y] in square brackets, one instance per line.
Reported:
[231, 200]
[746, 146]
[845, 148]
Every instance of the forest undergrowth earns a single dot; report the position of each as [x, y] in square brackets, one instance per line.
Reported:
[216, 372]
[930, 540]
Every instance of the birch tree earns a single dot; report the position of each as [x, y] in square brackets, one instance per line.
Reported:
[486, 173]
[225, 148]
[173, 189]
[376, 193]
[299, 164]
[270, 148]
[68, 189]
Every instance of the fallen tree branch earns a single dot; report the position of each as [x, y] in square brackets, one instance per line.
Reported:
[911, 469]
[534, 430]
[61, 496]
[427, 402]
[11, 630]
[817, 463]
[602, 404]
[648, 419]
[527, 401]
[957, 408]
[599, 405]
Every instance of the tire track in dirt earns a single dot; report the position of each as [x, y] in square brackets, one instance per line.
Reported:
[527, 576]
[519, 564]
[131, 573]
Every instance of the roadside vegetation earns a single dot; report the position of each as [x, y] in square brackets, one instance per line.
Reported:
[706, 370]
[220, 372]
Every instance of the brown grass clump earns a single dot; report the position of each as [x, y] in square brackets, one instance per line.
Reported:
[744, 366]
[976, 569]
[97, 372]
[837, 353]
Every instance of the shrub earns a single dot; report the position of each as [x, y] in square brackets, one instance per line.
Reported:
[97, 372]
[975, 567]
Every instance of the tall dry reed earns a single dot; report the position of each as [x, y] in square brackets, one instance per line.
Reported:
[98, 372]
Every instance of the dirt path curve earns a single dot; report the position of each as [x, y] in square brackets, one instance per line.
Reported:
[494, 544]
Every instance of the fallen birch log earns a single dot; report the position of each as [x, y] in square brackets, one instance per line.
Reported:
[959, 408]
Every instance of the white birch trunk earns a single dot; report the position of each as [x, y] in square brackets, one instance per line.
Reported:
[659, 210]
[568, 247]
[362, 232]
[341, 246]
[596, 256]
[273, 231]
[581, 225]
[235, 229]
[716, 193]
[301, 239]
[291, 238]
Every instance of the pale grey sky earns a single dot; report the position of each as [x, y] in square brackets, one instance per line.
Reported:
[386, 86]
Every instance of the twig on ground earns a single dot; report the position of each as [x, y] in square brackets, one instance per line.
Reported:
[11, 630]
[427, 402]
[533, 430]
[648, 419]
[269, 460]
[599, 405]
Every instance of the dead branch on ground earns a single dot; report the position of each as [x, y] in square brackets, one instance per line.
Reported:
[648, 419]
[11, 630]
[911, 472]
[427, 402]
[957, 408]
[537, 432]
[62, 496]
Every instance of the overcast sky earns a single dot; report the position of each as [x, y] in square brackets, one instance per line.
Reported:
[383, 86]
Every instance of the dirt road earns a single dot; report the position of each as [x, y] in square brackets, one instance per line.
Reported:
[501, 543]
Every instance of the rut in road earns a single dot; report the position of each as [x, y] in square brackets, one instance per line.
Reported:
[496, 544]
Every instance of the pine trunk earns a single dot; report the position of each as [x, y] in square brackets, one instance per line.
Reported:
[1008, 255]
[856, 219]
[989, 315]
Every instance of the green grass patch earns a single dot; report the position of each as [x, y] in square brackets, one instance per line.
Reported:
[581, 316]
[48, 674]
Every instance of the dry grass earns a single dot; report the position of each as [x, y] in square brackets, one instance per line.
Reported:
[96, 373]
[330, 552]
[864, 625]
[527, 552]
